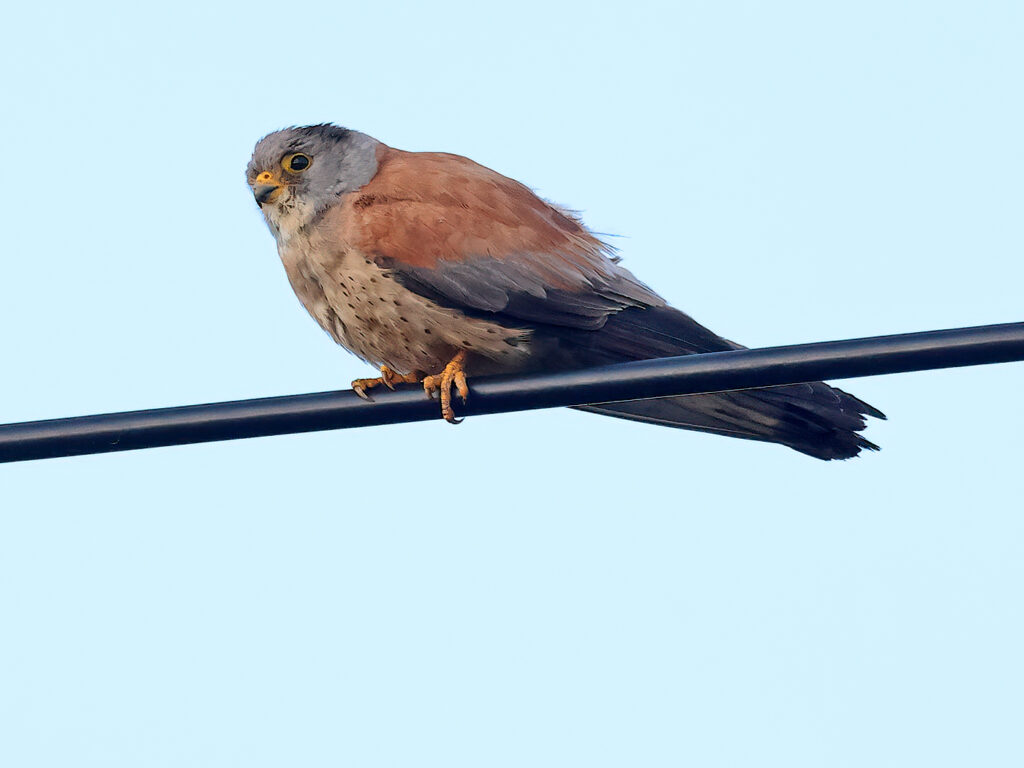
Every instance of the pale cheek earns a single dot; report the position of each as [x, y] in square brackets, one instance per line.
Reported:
[287, 216]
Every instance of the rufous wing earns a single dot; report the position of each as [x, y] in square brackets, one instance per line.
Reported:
[468, 237]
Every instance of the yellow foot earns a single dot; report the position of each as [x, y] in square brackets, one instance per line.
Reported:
[387, 377]
[452, 375]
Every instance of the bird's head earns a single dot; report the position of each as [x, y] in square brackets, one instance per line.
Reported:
[298, 172]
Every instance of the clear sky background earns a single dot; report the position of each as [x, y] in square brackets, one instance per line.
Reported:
[548, 588]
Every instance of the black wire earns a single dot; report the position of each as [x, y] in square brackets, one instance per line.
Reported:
[715, 372]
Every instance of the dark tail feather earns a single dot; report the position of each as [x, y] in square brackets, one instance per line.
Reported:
[815, 418]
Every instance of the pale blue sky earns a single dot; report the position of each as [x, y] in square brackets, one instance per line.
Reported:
[548, 588]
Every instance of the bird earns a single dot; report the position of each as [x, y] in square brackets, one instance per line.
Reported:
[432, 268]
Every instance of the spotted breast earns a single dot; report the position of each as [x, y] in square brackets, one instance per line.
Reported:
[371, 314]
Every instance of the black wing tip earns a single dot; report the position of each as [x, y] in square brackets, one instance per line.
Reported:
[842, 451]
[844, 443]
[858, 405]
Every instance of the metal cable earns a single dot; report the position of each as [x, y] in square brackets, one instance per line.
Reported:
[692, 374]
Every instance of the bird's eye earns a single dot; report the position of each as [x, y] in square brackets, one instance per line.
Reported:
[297, 162]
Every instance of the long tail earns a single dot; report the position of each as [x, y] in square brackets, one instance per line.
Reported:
[815, 419]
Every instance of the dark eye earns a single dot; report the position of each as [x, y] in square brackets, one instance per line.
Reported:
[296, 163]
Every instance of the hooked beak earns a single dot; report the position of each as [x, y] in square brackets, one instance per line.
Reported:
[266, 188]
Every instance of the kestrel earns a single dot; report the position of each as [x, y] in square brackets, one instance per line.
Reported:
[432, 267]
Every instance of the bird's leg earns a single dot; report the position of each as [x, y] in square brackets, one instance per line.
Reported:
[388, 378]
[452, 375]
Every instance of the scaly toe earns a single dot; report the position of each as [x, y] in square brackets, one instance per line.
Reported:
[387, 378]
[431, 384]
[451, 376]
[461, 385]
[361, 385]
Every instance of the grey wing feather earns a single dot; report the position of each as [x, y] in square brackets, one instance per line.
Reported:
[605, 315]
[521, 288]
[812, 418]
